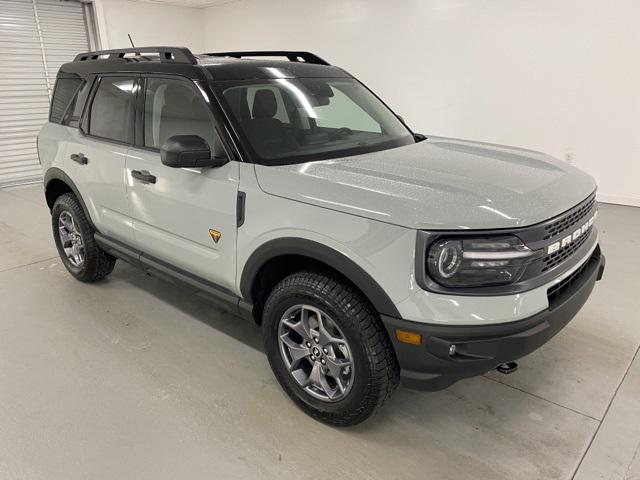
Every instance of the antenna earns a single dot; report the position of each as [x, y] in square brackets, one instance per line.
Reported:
[129, 35]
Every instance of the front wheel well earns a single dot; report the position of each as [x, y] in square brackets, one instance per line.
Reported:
[282, 266]
[272, 272]
[54, 189]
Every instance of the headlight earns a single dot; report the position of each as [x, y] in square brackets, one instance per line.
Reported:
[474, 262]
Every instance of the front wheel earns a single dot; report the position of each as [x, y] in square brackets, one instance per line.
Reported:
[328, 348]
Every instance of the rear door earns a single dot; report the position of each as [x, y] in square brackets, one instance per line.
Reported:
[176, 217]
[96, 153]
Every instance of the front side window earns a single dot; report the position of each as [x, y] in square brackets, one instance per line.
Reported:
[112, 109]
[287, 120]
[175, 107]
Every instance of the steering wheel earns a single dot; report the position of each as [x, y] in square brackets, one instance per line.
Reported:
[340, 132]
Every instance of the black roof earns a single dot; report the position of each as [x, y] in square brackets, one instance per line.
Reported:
[208, 66]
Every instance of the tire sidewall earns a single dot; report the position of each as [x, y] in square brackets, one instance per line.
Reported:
[306, 295]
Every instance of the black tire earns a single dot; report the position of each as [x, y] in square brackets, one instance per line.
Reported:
[97, 263]
[376, 371]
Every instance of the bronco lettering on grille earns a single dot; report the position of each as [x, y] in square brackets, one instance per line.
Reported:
[572, 237]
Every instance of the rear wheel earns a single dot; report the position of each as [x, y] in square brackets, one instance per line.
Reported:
[78, 249]
[328, 348]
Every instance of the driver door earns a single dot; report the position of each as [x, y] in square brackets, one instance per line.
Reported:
[176, 211]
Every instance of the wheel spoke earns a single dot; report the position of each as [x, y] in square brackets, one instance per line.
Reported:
[301, 327]
[336, 366]
[315, 376]
[297, 352]
[325, 336]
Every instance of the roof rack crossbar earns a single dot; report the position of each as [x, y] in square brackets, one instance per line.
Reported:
[293, 56]
[166, 54]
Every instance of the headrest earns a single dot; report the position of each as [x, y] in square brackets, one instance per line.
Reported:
[264, 104]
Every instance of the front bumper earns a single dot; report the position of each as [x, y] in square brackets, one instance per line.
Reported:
[480, 348]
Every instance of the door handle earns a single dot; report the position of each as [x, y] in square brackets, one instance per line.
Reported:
[79, 158]
[144, 176]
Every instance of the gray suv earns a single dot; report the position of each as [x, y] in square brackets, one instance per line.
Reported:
[293, 196]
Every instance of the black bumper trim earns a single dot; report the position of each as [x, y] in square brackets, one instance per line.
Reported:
[481, 348]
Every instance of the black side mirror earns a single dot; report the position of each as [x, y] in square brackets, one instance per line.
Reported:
[189, 151]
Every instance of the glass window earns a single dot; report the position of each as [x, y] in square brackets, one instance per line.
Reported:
[295, 120]
[74, 111]
[112, 109]
[64, 92]
[175, 107]
[342, 110]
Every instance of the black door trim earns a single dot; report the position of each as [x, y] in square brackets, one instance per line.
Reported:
[222, 296]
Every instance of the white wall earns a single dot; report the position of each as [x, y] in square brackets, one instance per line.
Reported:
[558, 76]
[149, 24]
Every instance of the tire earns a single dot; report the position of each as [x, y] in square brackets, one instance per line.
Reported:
[373, 374]
[91, 262]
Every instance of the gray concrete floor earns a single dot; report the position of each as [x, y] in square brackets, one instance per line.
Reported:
[132, 378]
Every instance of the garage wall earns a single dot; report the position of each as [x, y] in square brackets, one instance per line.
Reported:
[561, 77]
[36, 37]
[149, 24]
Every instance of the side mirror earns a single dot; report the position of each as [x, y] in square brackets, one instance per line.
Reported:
[189, 151]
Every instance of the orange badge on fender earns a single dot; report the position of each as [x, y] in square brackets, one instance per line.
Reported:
[215, 234]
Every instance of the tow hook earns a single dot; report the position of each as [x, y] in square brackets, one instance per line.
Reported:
[507, 368]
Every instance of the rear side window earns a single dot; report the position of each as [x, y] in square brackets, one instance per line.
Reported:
[111, 114]
[63, 94]
[74, 110]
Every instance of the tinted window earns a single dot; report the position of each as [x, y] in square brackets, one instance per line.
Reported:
[175, 107]
[74, 111]
[112, 109]
[63, 93]
[297, 120]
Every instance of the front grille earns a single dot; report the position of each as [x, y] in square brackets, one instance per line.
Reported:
[555, 292]
[569, 219]
[559, 256]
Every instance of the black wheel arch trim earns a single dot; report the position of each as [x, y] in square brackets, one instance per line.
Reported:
[55, 173]
[321, 253]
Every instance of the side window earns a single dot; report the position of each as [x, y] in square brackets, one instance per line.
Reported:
[112, 109]
[175, 107]
[74, 111]
[63, 94]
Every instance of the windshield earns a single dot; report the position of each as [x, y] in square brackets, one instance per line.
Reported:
[285, 120]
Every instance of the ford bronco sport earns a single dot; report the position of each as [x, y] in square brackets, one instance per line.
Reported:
[292, 195]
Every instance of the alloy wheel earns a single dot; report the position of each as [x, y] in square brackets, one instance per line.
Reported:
[316, 353]
[71, 239]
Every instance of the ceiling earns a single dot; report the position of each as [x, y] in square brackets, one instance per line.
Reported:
[190, 3]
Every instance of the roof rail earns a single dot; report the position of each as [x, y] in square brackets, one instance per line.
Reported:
[307, 57]
[167, 54]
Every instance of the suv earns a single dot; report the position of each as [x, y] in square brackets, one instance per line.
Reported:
[293, 196]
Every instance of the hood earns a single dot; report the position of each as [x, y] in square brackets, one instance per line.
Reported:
[439, 183]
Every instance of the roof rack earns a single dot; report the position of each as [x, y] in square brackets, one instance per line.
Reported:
[167, 54]
[307, 57]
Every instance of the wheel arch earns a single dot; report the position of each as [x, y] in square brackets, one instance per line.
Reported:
[57, 183]
[308, 253]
